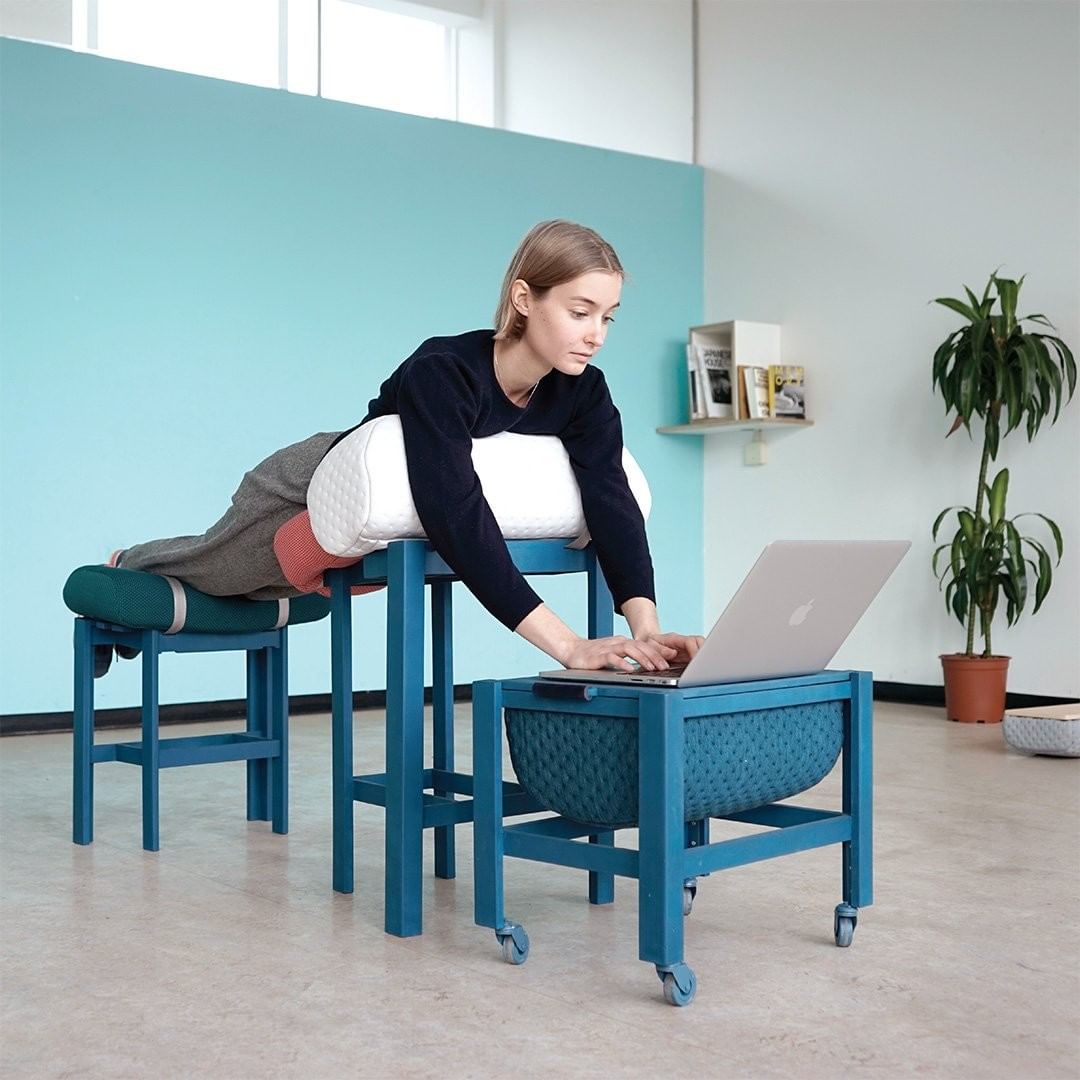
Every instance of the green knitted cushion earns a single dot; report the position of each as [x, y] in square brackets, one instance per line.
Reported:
[585, 767]
[145, 602]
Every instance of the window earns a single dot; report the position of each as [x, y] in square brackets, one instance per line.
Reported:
[429, 57]
[237, 40]
[387, 60]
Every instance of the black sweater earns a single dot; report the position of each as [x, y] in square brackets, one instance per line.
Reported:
[446, 395]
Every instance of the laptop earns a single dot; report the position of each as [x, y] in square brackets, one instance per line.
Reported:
[790, 615]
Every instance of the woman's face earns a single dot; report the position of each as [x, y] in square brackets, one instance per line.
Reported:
[566, 327]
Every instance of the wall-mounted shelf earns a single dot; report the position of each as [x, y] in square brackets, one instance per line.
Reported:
[708, 427]
[754, 453]
[728, 364]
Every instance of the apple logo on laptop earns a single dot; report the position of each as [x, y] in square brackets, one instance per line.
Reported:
[799, 615]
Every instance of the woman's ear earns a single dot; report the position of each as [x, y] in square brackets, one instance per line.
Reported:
[520, 296]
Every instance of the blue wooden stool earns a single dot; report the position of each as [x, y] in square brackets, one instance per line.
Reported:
[149, 614]
[264, 745]
[406, 566]
[655, 758]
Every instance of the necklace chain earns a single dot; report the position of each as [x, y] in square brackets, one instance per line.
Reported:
[502, 386]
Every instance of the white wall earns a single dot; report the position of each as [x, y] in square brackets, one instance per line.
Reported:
[863, 159]
[610, 73]
[37, 20]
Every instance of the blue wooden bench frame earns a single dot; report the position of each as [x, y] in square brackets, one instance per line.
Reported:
[405, 567]
[670, 852]
[264, 745]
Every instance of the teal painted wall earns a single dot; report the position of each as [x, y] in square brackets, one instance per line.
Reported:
[195, 273]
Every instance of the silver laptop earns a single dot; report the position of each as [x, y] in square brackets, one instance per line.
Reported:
[791, 614]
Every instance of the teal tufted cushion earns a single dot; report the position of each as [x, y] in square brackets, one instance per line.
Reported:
[585, 767]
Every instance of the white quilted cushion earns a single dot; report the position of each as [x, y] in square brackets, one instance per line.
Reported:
[359, 498]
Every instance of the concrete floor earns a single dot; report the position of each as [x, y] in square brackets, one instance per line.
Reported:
[227, 954]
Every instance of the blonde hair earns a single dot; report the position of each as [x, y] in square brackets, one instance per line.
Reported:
[552, 253]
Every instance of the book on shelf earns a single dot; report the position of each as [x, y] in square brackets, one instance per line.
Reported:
[756, 387]
[743, 411]
[693, 382]
[786, 397]
[717, 378]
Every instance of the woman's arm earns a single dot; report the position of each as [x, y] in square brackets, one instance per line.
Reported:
[640, 613]
[436, 404]
[594, 444]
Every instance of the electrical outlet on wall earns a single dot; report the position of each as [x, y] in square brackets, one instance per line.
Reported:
[754, 453]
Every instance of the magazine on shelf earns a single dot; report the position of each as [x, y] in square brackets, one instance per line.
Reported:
[756, 383]
[718, 380]
[786, 396]
[693, 383]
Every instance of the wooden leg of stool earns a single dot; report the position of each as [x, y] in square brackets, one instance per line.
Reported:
[404, 738]
[341, 684]
[83, 724]
[258, 723]
[442, 712]
[279, 730]
[602, 886]
[601, 609]
[150, 750]
[601, 624]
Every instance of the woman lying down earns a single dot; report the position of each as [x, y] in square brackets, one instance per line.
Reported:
[531, 374]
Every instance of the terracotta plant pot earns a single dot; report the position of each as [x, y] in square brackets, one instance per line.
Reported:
[975, 687]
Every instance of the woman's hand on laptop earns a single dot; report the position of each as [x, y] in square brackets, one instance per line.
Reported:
[548, 632]
[618, 653]
[678, 648]
[640, 613]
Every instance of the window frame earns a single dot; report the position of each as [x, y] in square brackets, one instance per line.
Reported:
[477, 18]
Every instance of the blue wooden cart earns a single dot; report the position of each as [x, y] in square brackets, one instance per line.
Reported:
[668, 760]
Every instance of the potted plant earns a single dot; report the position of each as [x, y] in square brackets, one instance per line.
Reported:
[995, 370]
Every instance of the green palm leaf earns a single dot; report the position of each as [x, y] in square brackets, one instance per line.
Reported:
[959, 306]
[1055, 532]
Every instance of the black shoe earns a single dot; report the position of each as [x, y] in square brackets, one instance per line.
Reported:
[127, 652]
[102, 659]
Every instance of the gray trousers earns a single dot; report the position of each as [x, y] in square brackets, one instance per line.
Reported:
[236, 557]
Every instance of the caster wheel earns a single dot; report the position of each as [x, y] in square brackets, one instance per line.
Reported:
[844, 925]
[689, 892]
[515, 944]
[680, 985]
